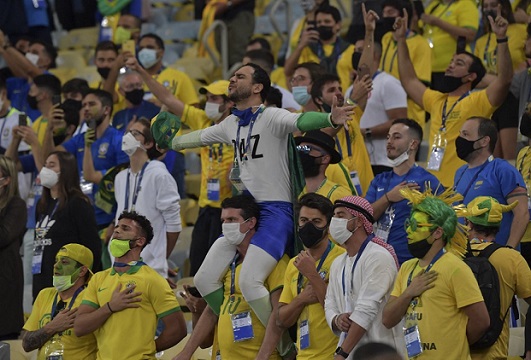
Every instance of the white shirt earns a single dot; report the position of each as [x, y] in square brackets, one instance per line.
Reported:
[366, 294]
[158, 200]
[387, 94]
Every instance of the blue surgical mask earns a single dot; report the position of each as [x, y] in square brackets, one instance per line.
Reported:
[300, 94]
[147, 58]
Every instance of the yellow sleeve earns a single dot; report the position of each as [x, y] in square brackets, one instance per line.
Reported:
[344, 67]
[467, 14]
[307, 55]
[418, 48]
[287, 294]
[275, 280]
[185, 90]
[38, 311]
[397, 288]
[465, 286]
[161, 296]
[428, 99]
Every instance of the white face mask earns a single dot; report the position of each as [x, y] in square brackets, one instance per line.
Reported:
[212, 111]
[49, 178]
[147, 58]
[130, 144]
[338, 230]
[232, 233]
[32, 58]
[402, 158]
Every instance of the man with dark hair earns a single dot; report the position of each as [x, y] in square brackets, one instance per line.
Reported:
[264, 58]
[8, 120]
[485, 175]
[390, 207]
[274, 98]
[325, 46]
[40, 96]
[146, 185]
[258, 43]
[302, 300]
[356, 173]
[450, 108]
[483, 217]
[55, 309]
[263, 144]
[97, 150]
[240, 334]
[105, 55]
[130, 297]
[75, 89]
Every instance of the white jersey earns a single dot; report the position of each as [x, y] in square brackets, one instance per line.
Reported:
[158, 200]
[266, 172]
[364, 293]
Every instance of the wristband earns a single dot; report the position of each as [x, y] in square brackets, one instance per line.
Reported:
[502, 40]
[109, 306]
[387, 197]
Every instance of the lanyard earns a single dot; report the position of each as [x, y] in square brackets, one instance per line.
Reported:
[349, 146]
[474, 178]
[335, 53]
[487, 49]
[445, 114]
[70, 304]
[432, 262]
[362, 248]
[300, 278]
[137, 186]
[248, 142]
[52, 214]
[233, 276]
[394, 54]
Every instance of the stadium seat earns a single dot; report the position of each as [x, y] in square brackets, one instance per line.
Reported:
[17, 352]
[71, 59]
[89, 73]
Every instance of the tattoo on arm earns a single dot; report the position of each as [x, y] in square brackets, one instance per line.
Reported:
[35, 339]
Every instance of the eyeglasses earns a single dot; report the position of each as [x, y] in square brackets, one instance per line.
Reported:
[136, 133]
[306, 149]
[414, 225]
[297, 79]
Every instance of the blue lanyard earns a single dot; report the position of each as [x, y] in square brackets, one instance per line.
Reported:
[70, 304]
[394, 54]
[487, 49]
[473, 179]
[53, 212]
[335, 53]
[248, 142]
[445, 115]
[138, 187]
[362, 248]
[433, 261]
[233, 276]
[300, 278]
[349, 147]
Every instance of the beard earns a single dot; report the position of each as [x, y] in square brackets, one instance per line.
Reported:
[240, 94]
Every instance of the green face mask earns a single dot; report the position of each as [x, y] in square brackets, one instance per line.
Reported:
[119, 247]
[121, 35]
[65, 282]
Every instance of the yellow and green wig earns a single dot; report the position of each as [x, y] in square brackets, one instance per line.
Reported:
[486, 211]
[431, 211]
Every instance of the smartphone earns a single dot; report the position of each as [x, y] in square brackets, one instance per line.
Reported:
[194, 292]
[22, 119]
[312, 25]
[419, 8]
[129, 46]
[461, 45]
[56, 99]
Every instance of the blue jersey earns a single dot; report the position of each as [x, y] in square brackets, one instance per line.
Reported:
[496, 178]
[385, 182]
[106, 153]
[122, 118]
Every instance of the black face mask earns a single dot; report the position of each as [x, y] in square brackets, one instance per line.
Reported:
[419, 249]
[326, 108]
[492, 13]
[32, 101]
[387, 24]
[310, 167]
[310, 235]
[465, 147]
[525, 125]
[325, 32]
[135, 96]
[104, 72]
[356, 57]
[451, 83]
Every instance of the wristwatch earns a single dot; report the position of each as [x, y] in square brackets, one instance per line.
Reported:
[367, 133]
[340, 352]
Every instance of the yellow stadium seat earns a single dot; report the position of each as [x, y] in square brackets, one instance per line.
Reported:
[79, 38]
[170, 353]
[71, 59]
[18, 353]
[64, 74]
[89, 73]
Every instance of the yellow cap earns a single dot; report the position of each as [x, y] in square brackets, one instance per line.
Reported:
[220, 87]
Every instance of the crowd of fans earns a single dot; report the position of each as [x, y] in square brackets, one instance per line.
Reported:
[329, 225]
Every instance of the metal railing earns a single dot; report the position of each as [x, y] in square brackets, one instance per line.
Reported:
[223, 61]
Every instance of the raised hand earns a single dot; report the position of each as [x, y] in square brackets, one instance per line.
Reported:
[499, 25]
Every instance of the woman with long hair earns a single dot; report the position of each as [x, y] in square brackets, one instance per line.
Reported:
[12, 228]
[63, 215]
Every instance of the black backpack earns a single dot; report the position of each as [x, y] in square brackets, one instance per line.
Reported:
[489, 284]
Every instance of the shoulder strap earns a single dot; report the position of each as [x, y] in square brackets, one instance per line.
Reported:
[489, 250]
